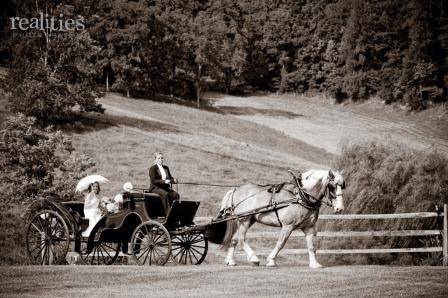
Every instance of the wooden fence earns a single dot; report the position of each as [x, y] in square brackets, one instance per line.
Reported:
[395, 233]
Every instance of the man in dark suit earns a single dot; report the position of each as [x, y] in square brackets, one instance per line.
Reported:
[161, 181]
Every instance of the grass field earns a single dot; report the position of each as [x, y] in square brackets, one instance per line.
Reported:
[241, 139]
[233, 141]
[218, 280]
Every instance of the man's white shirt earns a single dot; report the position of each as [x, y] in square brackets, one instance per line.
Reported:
[162, 172]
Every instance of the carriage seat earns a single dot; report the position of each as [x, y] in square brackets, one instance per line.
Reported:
[154, 205]
[152, 201]
[76, 209]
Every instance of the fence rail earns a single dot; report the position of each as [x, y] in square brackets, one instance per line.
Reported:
[397, 233]
[392, 233]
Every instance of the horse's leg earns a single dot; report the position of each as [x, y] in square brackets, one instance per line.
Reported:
[229, 260]
[310, 233]
[251, 256]
[284, 235]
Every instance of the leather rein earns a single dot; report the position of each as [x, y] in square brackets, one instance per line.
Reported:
[301, 197]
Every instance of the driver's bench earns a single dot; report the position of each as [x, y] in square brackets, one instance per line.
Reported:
[153, 203]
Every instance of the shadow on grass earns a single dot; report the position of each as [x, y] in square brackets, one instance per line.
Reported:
[256, 111]
[96, 122]
[206, 103]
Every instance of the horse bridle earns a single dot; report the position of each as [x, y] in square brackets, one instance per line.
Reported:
[331, 195]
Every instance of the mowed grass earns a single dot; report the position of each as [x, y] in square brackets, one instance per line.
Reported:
[199, 146]
[218, 280]
[225, 127]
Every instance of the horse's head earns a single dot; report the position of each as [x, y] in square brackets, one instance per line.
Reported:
[325, 185]
[335, 185]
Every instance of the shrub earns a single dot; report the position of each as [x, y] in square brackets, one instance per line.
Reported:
[392, 179]
[37, 162]
[34, 162]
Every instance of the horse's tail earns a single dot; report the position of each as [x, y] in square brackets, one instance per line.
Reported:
[231, 228]
[232, 225]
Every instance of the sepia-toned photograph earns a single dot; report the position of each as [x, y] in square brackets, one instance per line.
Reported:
[224, 148]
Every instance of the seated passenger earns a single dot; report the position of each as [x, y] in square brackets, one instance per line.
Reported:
[161, 181]
[92, 209]
[113, 206]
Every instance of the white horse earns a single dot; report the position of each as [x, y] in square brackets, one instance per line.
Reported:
[301, 210]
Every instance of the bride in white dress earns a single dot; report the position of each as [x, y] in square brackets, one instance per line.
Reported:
[92, 207]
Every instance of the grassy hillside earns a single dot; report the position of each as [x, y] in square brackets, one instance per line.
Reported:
[256, 139]
[200, 146]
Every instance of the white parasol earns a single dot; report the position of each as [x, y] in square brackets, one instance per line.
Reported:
[85, 182]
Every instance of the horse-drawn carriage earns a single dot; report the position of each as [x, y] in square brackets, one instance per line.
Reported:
[140, 228]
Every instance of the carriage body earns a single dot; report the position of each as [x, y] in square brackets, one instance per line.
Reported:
[140, 228]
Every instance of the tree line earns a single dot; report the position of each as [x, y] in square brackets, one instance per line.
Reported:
[349, 49]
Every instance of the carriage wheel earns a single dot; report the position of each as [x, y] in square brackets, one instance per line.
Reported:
[189, 249]
[151, 244]
[47, 238]
[103, 253]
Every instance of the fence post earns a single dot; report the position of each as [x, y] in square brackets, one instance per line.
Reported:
[445, 235]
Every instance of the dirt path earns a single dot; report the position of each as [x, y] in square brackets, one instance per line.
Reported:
[222, 281]
[321, 124]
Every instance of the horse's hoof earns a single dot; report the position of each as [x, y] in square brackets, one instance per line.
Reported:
[271, 263]
[231, 263]
[315, 266]
[254, 260]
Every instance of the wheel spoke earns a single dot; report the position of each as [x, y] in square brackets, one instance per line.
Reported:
[158, 236]
[163, 241]
[162, 253]
[42, 243]
[39, 254]
[45, 253]
[59, 230]
[97, 255]
[101, 249]
[153, 259]
[186, 257]
[54, 255]
[150, 256]
[198, 246]
[180, 251]
[141, 239]
[40, 223]
[51, 225]
[198, 240]
[92, 255]
[108, 246]
[35, 241]
[182, 255]
[142, 253]
[197, 251]
[107, 253]
[35, 235]
[146, 229]
[189, 255]
[146, 245]
[35, 227]
[194, 255]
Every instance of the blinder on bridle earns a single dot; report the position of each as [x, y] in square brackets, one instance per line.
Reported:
[331, 181]
[331, 186]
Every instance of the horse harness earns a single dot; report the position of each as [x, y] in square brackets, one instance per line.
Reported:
[301, 197]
